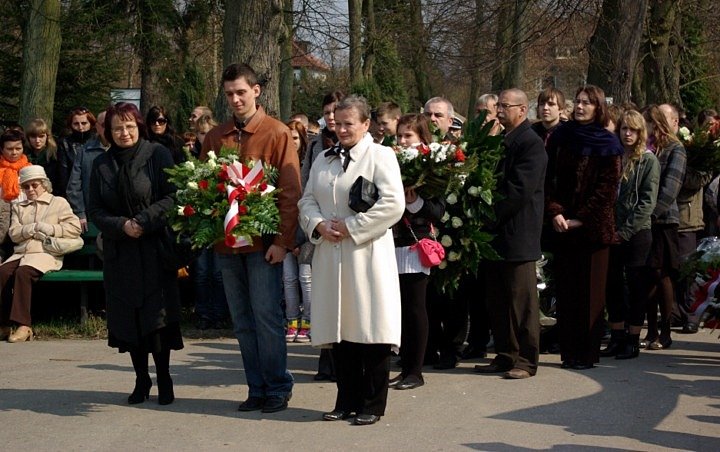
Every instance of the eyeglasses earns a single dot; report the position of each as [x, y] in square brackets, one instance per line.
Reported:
[120, 130]
[506, 106]
[160, 121]
[29, 185]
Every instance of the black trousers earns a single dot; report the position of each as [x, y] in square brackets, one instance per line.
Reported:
[472, 292]
[630, 256]
[512, 302]
[448, 317]
[363, 372]
[413, 288]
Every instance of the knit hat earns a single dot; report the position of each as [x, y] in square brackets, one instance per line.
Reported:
[32, 172]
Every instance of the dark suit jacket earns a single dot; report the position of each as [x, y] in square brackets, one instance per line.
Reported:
[519, 211]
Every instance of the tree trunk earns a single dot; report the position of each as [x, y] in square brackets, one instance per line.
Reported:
[41, 57]
[370, 33]
[477, 45]
[251, 34]
[614, 47]
[515, 75]
[503, 36]
[287, 76]
[419, 51]
[355, 13]
[661, 80]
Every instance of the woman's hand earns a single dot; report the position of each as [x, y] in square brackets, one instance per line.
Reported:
[573, 224]
[326, 231]
[45, 228]
[132, 229]
[340, 226]
[559, 223]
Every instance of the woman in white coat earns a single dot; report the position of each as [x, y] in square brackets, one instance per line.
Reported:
[356, 293]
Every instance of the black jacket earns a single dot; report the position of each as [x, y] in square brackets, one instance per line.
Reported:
[135, 278]
[519, 211]
[430, 213]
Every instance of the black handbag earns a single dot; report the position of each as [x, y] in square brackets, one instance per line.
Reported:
[363, 195]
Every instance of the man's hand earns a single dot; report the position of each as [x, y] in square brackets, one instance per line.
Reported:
[275, 254]
[84, 224]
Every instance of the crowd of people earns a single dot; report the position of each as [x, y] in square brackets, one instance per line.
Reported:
[603, 189]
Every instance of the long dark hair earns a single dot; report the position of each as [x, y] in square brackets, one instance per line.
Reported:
[300, 129]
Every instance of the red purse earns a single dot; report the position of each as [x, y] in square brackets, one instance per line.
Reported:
[431, 252]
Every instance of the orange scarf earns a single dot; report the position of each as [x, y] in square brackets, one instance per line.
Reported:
[9, 177]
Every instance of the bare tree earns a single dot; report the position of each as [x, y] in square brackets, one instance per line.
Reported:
[661, 77]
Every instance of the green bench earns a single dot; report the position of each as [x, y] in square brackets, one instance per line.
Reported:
[83, 276]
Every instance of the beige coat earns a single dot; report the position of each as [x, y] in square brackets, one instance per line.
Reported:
[49, 209]
[356, 293]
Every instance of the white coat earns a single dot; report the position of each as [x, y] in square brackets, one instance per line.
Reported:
[356, 291]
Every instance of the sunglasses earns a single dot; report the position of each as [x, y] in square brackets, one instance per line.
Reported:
[29, 185]
[160, 121]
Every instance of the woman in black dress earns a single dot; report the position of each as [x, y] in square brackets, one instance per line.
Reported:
[129, 199]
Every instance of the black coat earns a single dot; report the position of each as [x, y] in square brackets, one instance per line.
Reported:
[519, 211]
[134, 276]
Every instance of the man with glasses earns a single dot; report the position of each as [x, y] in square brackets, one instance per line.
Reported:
[510, 283]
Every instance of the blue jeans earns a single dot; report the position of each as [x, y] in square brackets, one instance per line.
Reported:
[210, 300]
[294, 275]
[254, 293]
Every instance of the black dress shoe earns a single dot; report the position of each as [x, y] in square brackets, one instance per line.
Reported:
[492, 368]
[410, 382]
[582, 366]
[366, 419]
[252, 404]
[337, 415]
[612, 349]
[567, 364]
[166, 394]
[394, 381]
[273, 404]
[472, 352]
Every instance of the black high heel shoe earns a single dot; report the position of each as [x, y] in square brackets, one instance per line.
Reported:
[141, 392]
[166, 395]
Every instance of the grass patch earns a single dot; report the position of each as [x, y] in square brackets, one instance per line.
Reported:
[96, 328]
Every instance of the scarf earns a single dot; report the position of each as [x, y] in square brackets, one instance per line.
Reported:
[134, 191]
[586, 139]
[10, 178]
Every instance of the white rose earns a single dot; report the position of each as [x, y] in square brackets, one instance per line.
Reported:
[453, 256]
[192, 185]
[212, 163]
[442, 265]
[451, 199]
[211, 155]
[434, 147]
[474, 191]
[445, 217]
[456, 222]
[465, 241]
[181, 210]
[189, 165]
[446, 241]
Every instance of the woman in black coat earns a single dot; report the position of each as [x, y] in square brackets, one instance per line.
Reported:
[129, 199]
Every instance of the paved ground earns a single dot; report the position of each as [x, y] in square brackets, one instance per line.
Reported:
[71, 395]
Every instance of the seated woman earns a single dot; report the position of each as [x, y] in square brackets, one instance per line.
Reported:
[41, 216]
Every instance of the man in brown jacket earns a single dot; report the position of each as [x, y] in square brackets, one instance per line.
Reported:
[252, 274]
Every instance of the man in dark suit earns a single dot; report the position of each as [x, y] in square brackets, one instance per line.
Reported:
[511, 293]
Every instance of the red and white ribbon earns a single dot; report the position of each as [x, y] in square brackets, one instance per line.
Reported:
[244, 180]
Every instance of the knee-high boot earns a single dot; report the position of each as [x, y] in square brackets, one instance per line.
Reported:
[166, 395]
[143, 383]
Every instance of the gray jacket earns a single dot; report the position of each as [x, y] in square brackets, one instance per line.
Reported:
[79, 183]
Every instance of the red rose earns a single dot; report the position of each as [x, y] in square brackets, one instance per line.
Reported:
[459, 156]
[223, 174]
[203, 185]
[220, 187]
[263, 186]
[424, 149]
[242, 194]
[242, 210]
[188, 211]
